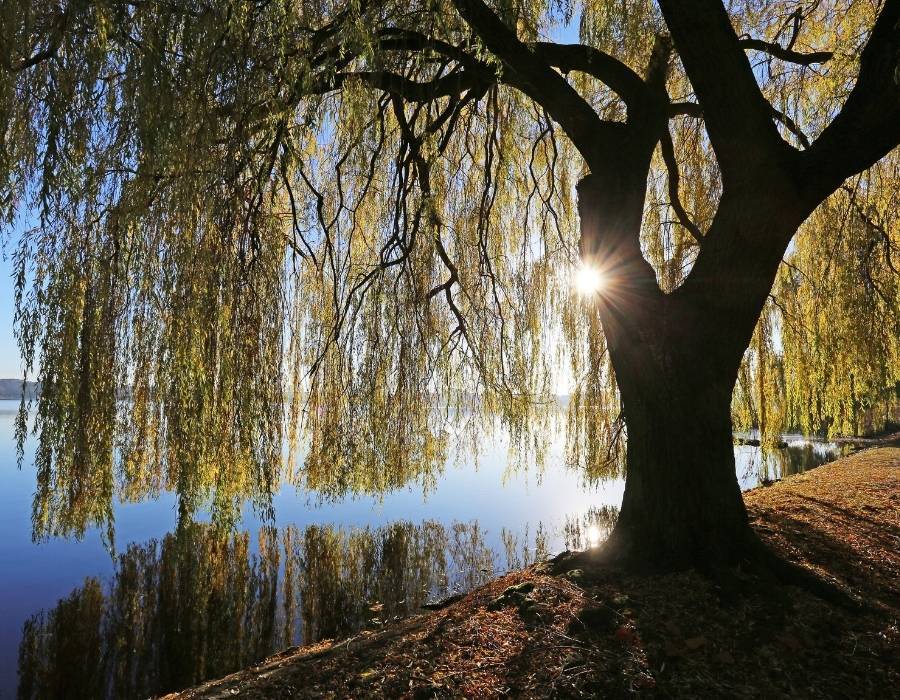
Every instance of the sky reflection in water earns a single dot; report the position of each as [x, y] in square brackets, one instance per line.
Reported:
[176, 607]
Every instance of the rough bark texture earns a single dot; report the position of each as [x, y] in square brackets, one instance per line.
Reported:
[682, 504]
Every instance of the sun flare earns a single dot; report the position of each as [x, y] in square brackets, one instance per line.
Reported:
[593, 536]
[589, 280]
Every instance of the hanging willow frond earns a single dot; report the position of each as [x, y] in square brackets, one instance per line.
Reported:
[349, 227]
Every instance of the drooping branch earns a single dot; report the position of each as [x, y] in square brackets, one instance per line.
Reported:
[873, 226]
[668, 154]
[453, 85]
[413, 143]
[475, 75]
[447, 289]
[530, 68]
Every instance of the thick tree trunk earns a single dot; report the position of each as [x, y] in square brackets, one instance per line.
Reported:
[676, 358]
[682, 504]
[675, 372]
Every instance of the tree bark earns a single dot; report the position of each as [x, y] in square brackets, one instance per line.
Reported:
[676, 356]
[682, 504]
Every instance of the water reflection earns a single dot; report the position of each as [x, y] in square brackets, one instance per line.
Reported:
[201, 604]
[74, 497]
[797, 455]
[197, 603]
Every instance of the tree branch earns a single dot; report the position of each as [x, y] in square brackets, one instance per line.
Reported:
[451, 85]
[785, 54]
[791, 126]
[532, 75]
[615, 74]
[868, 126]
[738, 117]
[394, 39]
[692, 109]
[668, 154]
[871, 225]
[586, 59]
[55, 41]
[686, 109]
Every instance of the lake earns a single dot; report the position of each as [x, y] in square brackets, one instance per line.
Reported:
[173, 606]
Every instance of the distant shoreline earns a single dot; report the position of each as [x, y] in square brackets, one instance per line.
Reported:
[11, 389]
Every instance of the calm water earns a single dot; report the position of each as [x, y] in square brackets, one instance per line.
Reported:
[173, 607]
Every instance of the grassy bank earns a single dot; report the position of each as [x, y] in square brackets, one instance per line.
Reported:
[603, 633]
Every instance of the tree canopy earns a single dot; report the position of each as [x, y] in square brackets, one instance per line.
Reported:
[352, 224]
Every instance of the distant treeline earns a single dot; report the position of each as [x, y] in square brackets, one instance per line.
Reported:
[12, 389]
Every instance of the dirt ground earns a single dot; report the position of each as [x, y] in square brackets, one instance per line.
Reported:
[605, 634]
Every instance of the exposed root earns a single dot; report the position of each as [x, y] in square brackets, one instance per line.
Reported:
[594, 562]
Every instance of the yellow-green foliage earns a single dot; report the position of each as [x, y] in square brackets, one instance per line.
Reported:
[830, 334]
[253, 254]
[841, 299]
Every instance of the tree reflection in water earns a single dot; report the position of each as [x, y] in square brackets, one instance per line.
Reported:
[199, 604]
[799, 455]
[202, 603]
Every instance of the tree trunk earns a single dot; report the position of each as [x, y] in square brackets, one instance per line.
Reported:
[682, 504]
[676, 374]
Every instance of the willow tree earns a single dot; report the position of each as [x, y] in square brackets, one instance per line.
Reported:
[262, 217]
[825, 357]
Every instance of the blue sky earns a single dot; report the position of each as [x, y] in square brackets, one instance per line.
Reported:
[10, 361]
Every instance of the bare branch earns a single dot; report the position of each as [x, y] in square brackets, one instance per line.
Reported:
[668, 154]
[785, 54]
